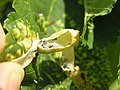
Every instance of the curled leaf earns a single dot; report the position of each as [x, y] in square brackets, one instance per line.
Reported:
[59, 41]
[55, 43]
[26, 59]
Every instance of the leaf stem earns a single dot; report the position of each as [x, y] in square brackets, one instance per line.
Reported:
[77, 79]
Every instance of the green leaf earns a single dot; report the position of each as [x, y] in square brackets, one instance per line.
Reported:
[114, 85]
[113, 50]
[49, 9]
[98, 7]
[119, 61]
[113, 56]
[93, 8]
[64, 85]
[107, 27]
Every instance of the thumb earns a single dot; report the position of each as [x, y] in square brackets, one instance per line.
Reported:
[2, 37]
[11, 76]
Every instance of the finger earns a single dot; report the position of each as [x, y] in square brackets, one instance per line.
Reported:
[2, 38]
[11, 76]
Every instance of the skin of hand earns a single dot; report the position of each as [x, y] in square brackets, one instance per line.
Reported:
[11, 74]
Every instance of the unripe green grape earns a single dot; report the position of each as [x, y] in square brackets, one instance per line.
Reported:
[23, 34]
[20, 25]
[16, 33]
[18, 53]
[27, 43]
[10, 56]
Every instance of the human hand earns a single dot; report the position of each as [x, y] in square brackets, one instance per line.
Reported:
[11, 74]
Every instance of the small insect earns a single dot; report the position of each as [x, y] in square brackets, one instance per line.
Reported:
[67, 66]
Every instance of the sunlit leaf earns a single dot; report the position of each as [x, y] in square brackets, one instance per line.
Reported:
[92, 9]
